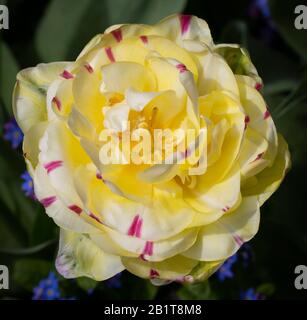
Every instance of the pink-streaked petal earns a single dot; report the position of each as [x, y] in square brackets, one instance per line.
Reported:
[259, 156]
[57, 102]
[153, 274]
[144, 39]
[89, 68]
[181, 67]
[75, 209]
[185, 21]
[258, 86]
[246, 121]
[239, 241]
[67, 75]
[46, 202]
[50, 166]
[92, 215]
[135, 227]
[226, 208]
[266, 115]
[99, 176]
[117, 34]
[147, 251]
[109, 54]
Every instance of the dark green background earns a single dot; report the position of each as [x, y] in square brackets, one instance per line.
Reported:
[44, 31]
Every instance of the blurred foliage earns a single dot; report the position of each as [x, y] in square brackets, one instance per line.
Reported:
[44, 31]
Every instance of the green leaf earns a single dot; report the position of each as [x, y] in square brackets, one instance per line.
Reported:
[155, 10]
[235, 32]
[58, 27]
[138, 288]
[29, 250]
[68, 25]
[273, 66]
[195, 291]
[28, 272]
[267, 289]
[8, 71]
[283, 15]
[8, 236]
[86, 283]
[43, 227]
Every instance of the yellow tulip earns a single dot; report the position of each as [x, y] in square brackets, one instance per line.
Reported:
[161, 221]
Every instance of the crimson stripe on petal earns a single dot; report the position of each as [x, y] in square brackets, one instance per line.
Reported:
[185, 21]
[135, 227]
[144, 39]
[266, 115]
[50, 166]
[57, 102]
[181, 67]
[239, 241]
[258, 86]
[92, 215]
[148, 249]
[117, 34]
[75, 208]
[89, 68]
[246, 121]
[46, 202]
[109, 53]
[66, 75]
[153, 274]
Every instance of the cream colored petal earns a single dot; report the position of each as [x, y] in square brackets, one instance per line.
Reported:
[116, 117]
[172, 269]
[60, 153]
[222, 195]
[31, 142]
[29, 97]
[224, 237]
[137, 100]
[182, 27]
[266, 182]
[260, 119]
[54, 205]
[78, 256]
[215, 74]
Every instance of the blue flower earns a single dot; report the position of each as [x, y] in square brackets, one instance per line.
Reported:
[114, 282]
[27, 185]
[90, 291]
[13, 133]
[225, 270]
[246, 253]
[251, 294]
[47, 289]
[259, 7]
